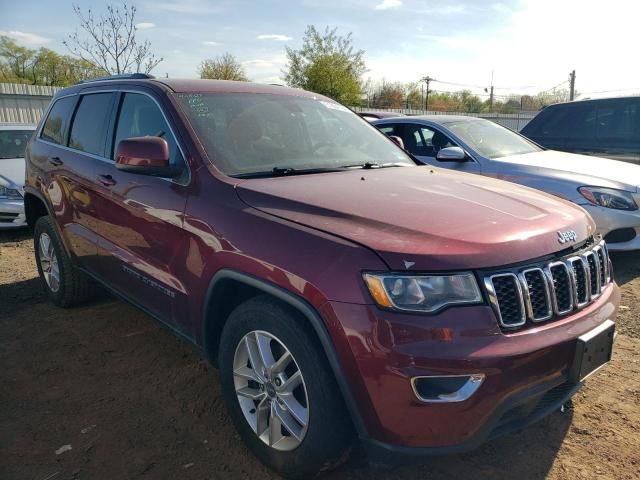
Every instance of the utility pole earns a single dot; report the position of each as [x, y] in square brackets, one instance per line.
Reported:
[572, 85]
[427, 80]
[490, 94]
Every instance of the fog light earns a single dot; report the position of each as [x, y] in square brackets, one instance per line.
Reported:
[446, 388]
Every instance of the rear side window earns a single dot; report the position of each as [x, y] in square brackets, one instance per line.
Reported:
[619, 120]
[140, 116]
[56, 124]
[88, 133]
[568, 121]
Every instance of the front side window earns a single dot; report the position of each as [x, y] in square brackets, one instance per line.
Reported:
[247, 133]
[13, 143]
[424, 141]
[88, 132]
[490, 139]
[55, 126]
[140, 116]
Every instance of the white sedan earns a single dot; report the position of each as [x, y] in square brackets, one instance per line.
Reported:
[13, 141]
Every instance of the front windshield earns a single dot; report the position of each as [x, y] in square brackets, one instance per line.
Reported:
[490, 139]
[247, 133]
[13, 143]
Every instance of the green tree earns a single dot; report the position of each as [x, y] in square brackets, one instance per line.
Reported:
[327, 64]
[15, 61]
[223, 67]
[42, 67]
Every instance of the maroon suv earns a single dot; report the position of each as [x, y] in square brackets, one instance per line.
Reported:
[343, 291]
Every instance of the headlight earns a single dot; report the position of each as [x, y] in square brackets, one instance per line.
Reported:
[609, 198]
[422, 293]
[6, 192]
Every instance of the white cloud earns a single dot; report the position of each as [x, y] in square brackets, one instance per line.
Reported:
[258, 63]
[145, 25]
[388, 4]
[278, 38]
[195, 7]
[210, 43]
[26, 38]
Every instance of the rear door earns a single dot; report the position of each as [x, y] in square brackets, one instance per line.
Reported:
[618, 129]
[67, 151]
[142, 216]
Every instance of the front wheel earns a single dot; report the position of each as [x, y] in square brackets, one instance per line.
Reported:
[280, 391]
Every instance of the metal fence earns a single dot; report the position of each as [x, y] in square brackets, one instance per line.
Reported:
[514, 121]
[24, 103]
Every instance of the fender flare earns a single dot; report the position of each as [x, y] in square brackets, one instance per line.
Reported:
[40, 196]
[309, 313]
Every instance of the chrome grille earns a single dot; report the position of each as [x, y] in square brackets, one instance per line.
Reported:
[538, 293]
[507, 291]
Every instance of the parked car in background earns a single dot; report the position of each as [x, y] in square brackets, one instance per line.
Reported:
[343, 291]
[370, 116]
[605, 127]
[606, 188]
[13, 142]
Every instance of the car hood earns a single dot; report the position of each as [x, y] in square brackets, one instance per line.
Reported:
[424, 218]
[12, 169]
[603, 169]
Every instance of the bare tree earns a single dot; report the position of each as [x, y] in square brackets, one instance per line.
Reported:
[109, 41]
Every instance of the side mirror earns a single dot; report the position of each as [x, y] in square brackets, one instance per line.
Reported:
[397, 140]
[145, 156]
[451, 154]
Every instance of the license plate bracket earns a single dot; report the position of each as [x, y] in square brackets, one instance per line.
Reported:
[593, 350]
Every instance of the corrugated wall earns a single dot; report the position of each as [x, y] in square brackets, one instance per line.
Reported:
[24, 103]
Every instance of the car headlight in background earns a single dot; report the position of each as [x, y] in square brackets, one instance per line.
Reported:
[422, 293]
[12, 193]
[609, 198]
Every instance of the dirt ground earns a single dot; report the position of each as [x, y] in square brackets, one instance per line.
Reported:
[103, 392]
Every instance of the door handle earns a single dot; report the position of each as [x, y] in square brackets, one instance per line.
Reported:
[55, 161]
[106, 180]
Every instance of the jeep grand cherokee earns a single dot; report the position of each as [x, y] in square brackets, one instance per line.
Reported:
[343, 291]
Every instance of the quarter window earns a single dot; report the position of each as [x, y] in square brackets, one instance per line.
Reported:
[88, 133]
[56, 124]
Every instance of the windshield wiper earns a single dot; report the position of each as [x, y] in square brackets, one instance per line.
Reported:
[370, 165]
[286, 171]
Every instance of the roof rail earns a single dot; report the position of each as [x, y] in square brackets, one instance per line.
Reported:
[122, 76]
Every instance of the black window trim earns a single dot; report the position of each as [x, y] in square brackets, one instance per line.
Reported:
[187, 180]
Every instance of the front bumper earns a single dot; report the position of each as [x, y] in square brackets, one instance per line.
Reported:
[12, 214]
[526, 372]
[609, 220]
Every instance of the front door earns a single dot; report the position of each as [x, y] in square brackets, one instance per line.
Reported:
[142, 225]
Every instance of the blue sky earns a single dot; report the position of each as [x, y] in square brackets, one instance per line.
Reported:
[529, 45]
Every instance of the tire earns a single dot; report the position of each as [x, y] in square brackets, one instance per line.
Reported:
[65, 285]
[326, 439]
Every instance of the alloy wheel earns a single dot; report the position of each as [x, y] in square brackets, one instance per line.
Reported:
[49, 262]
[271, 390]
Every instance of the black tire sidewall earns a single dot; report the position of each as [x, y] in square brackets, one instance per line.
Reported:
[329, 432]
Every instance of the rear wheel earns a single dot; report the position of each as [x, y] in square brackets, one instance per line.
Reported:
[65, 285]
[280, 392]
